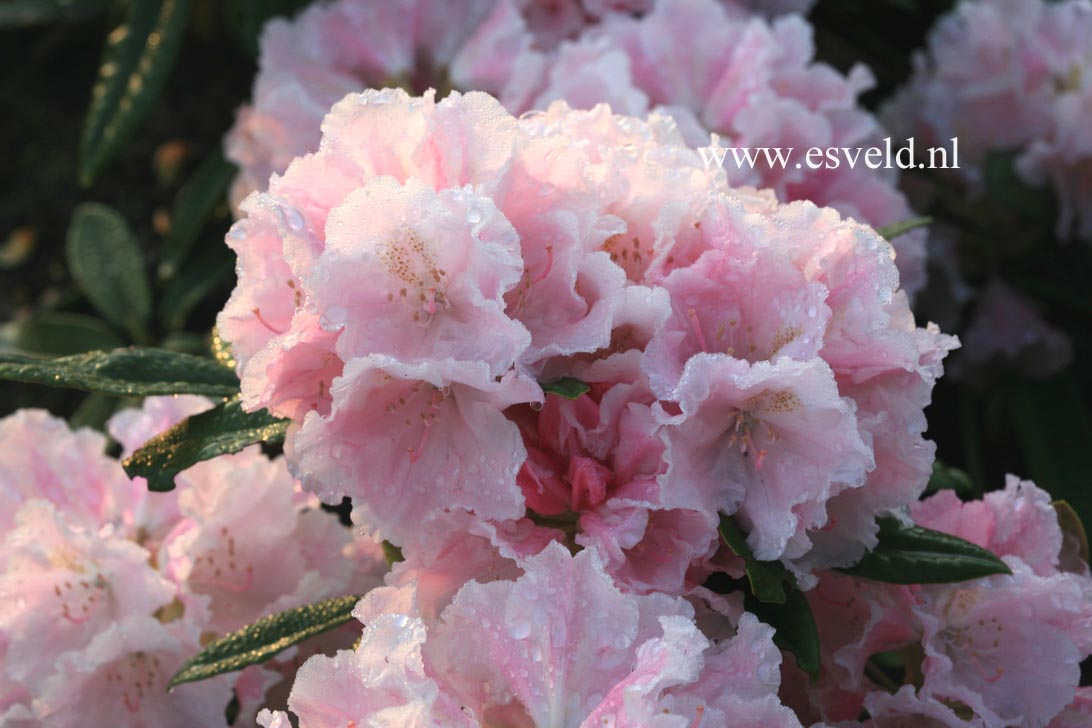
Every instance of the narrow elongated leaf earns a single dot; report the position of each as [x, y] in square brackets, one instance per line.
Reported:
[792, 619]
[767, 578]
[567, 387]
[915, 555]
[94, 411]
[945, 477]
[895, 229]
[125, 372]
[34, 12]
[794, 625]
[106, 261]
[265, 638]
[57, 333]
[138, 58]
[199, 277]
[192, 206]
[219, 431]
[1053, 425]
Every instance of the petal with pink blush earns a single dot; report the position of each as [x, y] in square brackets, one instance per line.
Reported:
[424, 279]
[407, 441]
[773, 441]
[62, 584]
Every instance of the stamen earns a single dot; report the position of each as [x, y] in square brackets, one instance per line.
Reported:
[257, 312]
[696, 326]
[549, 265]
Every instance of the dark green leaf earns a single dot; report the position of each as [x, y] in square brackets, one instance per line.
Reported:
[767, 578]
[1054, 429]
[1035, 204]
[192, 206]
[201, 276]
[106, 261]
[36, 12]
[265, 638]
[248, 17]
[895, 229]
[138, 58]
[219, 431]
[796, 631]
[945, 477]
[125, 372]
[566, 387]
[95, 409]
[915, 555]
[57, 333]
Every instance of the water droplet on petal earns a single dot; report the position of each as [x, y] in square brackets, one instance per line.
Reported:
[293, 218]
[519, 629]
[334, 318]
[238, 231]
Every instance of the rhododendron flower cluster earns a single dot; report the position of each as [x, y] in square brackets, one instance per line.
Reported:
[998, 651]
[1012, 76]
[404, 291]
[107, 588]
[502, 336]
[715, 66]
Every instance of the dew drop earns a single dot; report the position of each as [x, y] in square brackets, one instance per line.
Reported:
[812, 311]
[519, 629]
[238, 231]
[334, 318]
[293, 218]
[473, 216]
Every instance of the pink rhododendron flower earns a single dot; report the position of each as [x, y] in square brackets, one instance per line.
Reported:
[531, 53]
[754, 83]
[975, 637]
[101, 605]
[499, 254]
[559, 646]
[1011, 76]
[1005, 326]
[332, 49]
[121, 677]
[43, 458]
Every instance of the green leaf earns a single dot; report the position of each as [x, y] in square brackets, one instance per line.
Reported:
[201, 276]
[1036, 204]
[1053, 426]
[107, 264]
[193, 205]
[566, 387]
[265, 638]
[794, 625]
[125, 372]
[248, 17]
[219, 431]
[792, 619]
[767, 578]
[945, 477]
[57, 333]
[95, 409]
[915, 555]
[37, 12]
[138, 58]
[895, 229]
